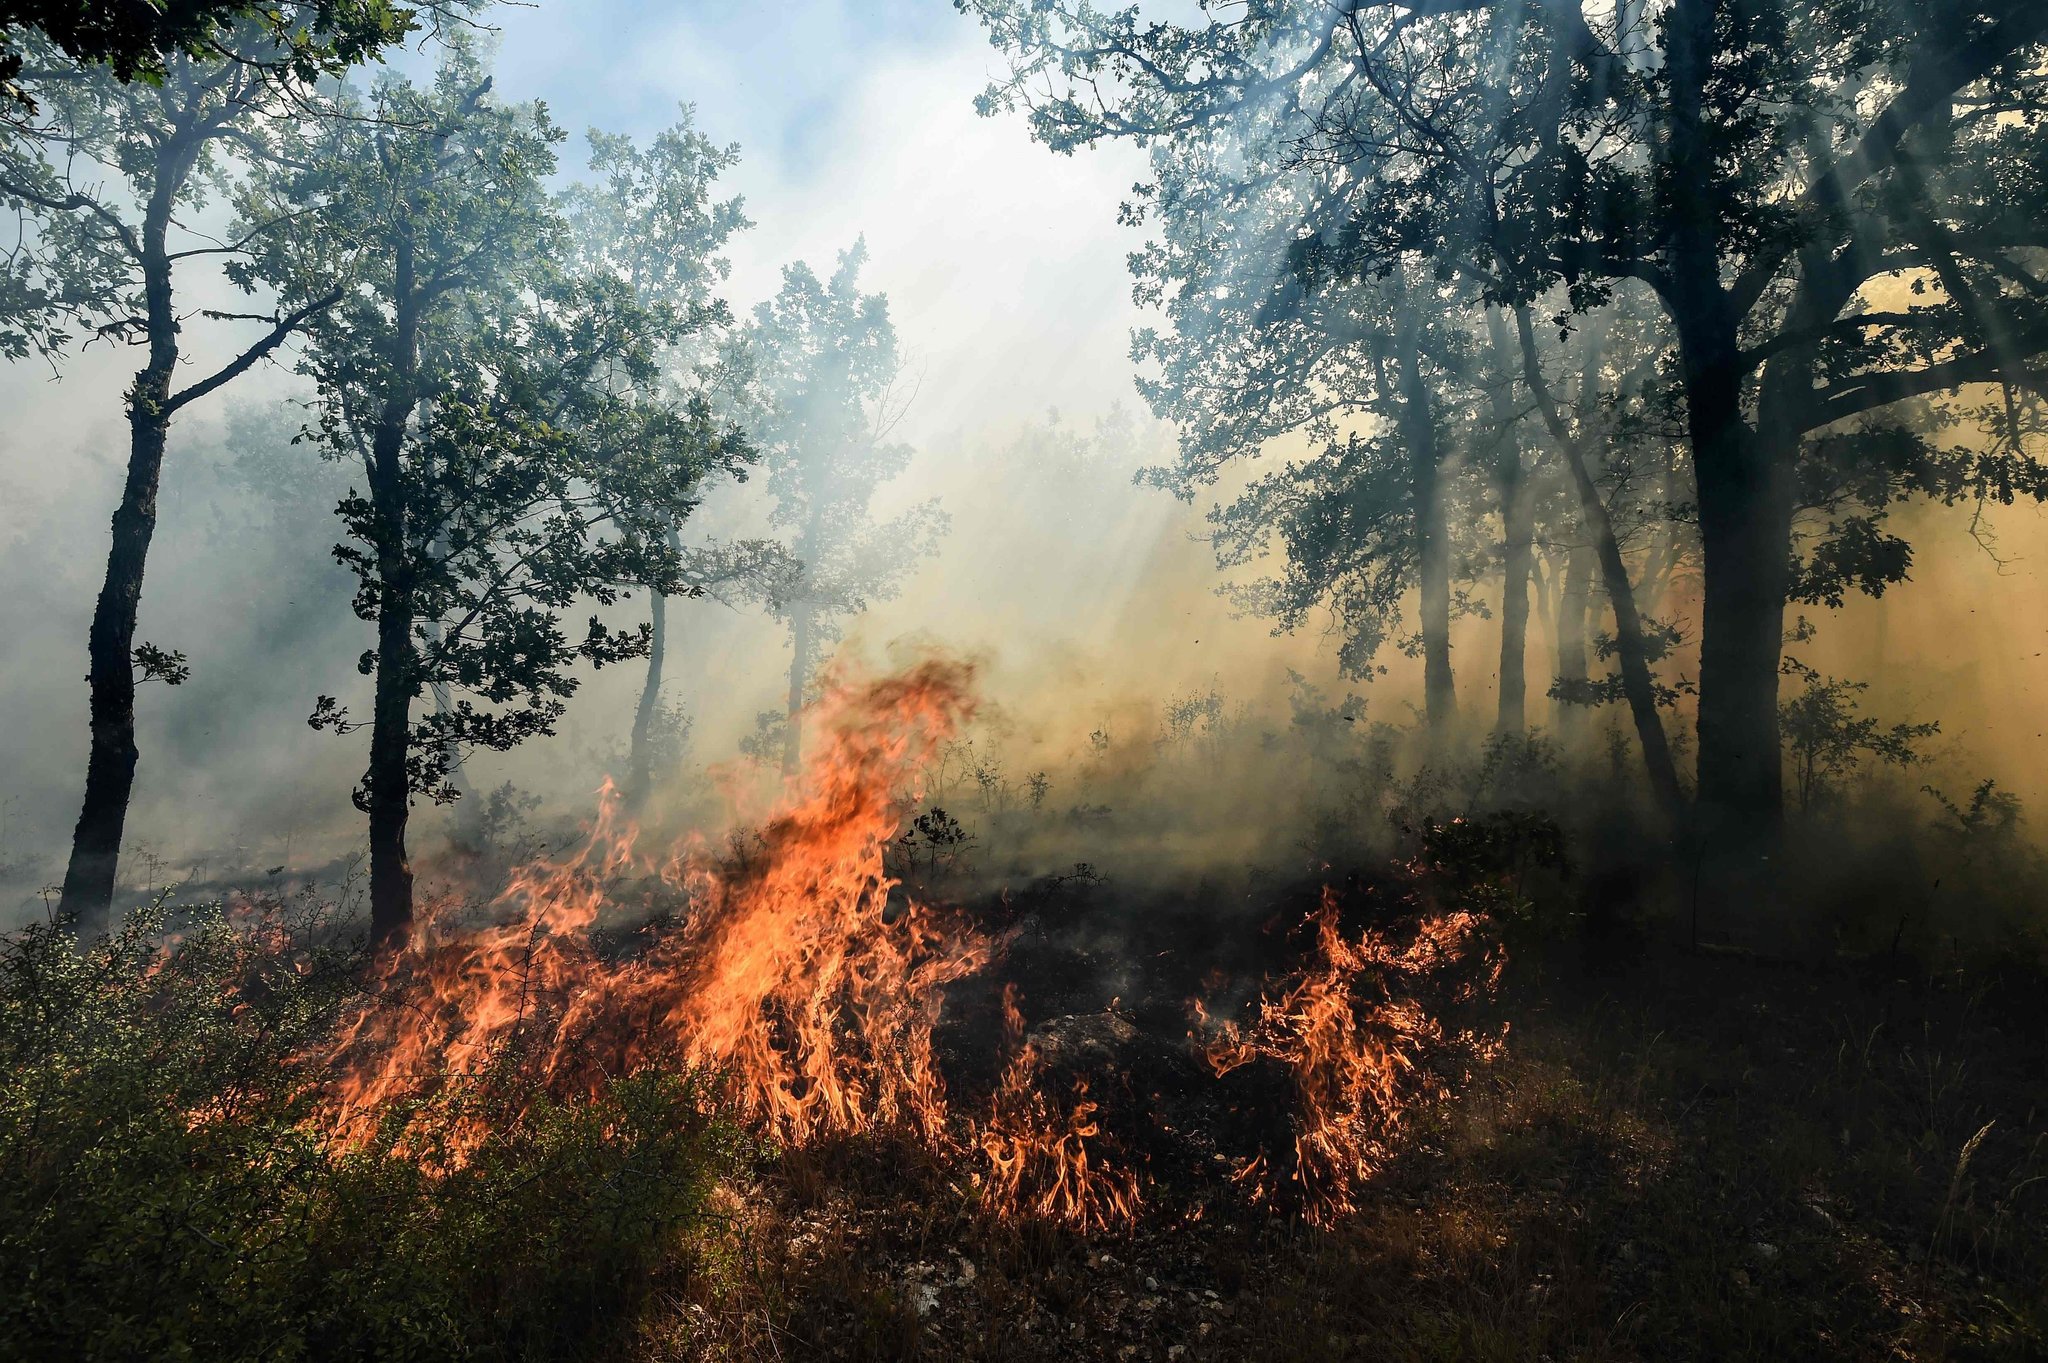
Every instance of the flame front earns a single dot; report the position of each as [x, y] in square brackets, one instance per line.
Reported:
[792, 975]
[1043, 1164]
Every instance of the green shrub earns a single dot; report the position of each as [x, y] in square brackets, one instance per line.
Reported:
[165, 1192]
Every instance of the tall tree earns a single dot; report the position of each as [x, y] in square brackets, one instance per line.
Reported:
[1576, 447]
[1367, 520]
[825, 388]
[1775, 173]
[1516, 500]
[649, 216]
[750, 572]
[1378, 371]
[495, 404]
[112, 177]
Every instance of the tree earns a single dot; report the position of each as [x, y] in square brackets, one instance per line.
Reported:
[1772, 175]
[824, 391]
[1373, 372]
[1632, 641]
[110, 177]
[496, 406]
[649, 217]
[1516, 499]
[146, 39]
[1826, 739]
[735, 574]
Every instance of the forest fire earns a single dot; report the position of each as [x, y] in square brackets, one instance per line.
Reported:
[1392, 484]
[790, 976]
[813, 991]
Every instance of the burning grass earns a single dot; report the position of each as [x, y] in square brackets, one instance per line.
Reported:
[817, 988]
[165, 1191]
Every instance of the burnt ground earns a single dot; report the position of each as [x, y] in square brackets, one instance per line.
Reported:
[1682, 1155]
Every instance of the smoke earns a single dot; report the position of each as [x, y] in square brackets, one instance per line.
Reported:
[1090, 603]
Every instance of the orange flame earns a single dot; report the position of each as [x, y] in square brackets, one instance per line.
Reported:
[1356, 1061]
[1041, 1165]
[797, 977]
[789, 976]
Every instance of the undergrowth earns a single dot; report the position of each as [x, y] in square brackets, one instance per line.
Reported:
[165, 1192]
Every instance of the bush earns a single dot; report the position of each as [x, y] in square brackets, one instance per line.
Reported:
[166, 1192]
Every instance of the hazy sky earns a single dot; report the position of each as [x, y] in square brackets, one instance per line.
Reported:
[1002, 262]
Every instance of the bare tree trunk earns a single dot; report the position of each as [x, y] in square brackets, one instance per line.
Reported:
[1745, 532]
[387, 791]
[1518, 534]
[799, 673]
[1572, 599]
[387, 786]
[639, 757]
[89, 878]
[1518, 524]
[1432, 536]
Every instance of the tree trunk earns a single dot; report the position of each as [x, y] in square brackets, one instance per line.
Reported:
[1518, 552]
[387, 786]
[799, 670]
[1517, 520]
[1432, 538]
[1572, 600]
[1631, 652]
[1745, 534]
[1637, 685]
[639, 770]
[89, 878]
[1743, 494]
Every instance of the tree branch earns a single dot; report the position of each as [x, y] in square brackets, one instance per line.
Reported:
[240, 365]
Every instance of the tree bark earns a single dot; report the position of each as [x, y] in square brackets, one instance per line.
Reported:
[1745, 534]
[1432, 537]
[1518, 526]
[799, 671]
[1572, 599]
[88, 896]
[1518, 536]
[1743, 493]
[387, 785]
[639, 768]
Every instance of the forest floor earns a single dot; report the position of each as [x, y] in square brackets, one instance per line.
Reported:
[1682, 1156]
